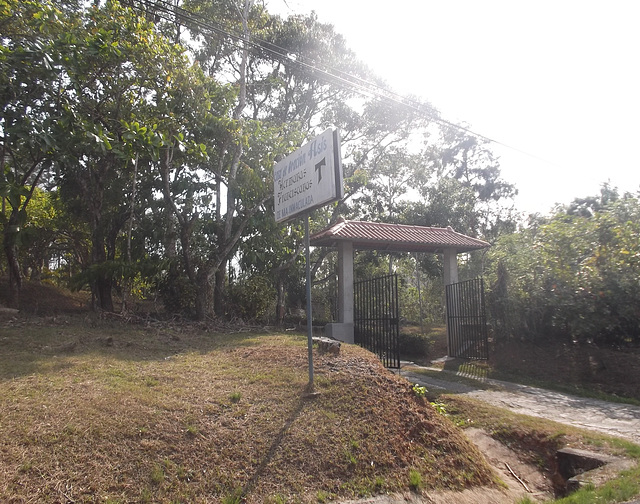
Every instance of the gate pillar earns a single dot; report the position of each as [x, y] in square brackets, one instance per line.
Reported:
[450, 266]
[450, 277]
[343, 329]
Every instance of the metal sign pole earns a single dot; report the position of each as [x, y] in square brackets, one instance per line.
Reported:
[309, 317]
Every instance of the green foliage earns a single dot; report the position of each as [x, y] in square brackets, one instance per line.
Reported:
[574, 276]
[177, 292]
[415, 480]
[161, 161]
[253, 298]
[235, 497]
[419, 390]
[414, 345]
[440, 408]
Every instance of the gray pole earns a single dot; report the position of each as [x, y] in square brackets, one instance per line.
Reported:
[309, 317]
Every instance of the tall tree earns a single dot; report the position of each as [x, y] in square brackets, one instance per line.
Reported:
[30, 84]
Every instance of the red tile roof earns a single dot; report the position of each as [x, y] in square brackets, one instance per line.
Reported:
[395, 237]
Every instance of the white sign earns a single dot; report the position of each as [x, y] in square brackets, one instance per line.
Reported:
[309, 177]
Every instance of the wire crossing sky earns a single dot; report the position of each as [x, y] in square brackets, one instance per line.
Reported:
[556, 81]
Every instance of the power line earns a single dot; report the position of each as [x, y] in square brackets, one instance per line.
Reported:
[329, 73]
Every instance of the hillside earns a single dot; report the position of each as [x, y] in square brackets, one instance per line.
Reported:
[116, 413]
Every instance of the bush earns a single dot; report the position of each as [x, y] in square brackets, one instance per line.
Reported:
[571, 277]
[254, 298]
[414, 345]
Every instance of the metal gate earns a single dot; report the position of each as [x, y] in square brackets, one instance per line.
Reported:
[467, 320]
[377, 318]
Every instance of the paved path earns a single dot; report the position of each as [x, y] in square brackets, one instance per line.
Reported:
[616, 419]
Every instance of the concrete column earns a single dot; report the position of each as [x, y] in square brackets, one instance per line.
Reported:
[450, 266]
[450, 277]
[343, 329]
[345, 282]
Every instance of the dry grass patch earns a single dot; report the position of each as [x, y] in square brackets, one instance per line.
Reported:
[111, 413]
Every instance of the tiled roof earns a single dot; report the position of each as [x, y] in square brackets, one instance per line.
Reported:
[395, 237]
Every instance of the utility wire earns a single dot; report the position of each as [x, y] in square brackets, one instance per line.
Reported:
[329, 73]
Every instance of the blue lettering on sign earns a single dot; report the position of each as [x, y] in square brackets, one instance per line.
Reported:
[317, 147]
[298, 205]
[296, 163]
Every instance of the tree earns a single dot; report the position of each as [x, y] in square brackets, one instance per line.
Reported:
[30, 83]
[574, 277]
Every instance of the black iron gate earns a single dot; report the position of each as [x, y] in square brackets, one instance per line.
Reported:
[467, 320]
[377, 318]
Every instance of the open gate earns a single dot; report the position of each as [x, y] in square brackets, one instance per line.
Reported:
[467, 320]
[377, 318]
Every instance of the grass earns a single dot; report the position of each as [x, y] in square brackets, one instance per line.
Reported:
[623, 488]
[415, 480]
[99, 411]
[537, 440]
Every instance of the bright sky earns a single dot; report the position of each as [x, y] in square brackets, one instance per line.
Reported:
[558, 81]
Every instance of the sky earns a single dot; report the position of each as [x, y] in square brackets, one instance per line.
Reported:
[556, 83]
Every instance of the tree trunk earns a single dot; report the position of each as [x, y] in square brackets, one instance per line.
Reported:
[280, 305]
[219, 290]
[101, 282]
[202, 295]
[101, 286]
[102, 290]
[11, 252]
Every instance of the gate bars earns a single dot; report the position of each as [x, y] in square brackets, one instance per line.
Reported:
[377, 318]
[467, 320]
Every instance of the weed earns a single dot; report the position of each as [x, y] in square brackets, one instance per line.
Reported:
[26, 467]
[351, 458]
[234, 497]
[150, 381]
[146, 496]
[323, 496]
[349, 452]
[183, 474]
[235, 397]
[192, 430]
[440, 408]
[157, 474]
[69, 430]
[415, 480]
[419, 390]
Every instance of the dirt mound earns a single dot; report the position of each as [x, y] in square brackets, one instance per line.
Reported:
[165, 413]
[45, 299]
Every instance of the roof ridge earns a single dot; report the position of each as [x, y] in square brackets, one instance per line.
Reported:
[403, 237]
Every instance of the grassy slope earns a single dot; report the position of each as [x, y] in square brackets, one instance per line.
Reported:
[537, 441]
[112, 413]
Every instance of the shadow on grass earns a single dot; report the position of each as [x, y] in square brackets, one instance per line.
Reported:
[275, 445]
[32, 346]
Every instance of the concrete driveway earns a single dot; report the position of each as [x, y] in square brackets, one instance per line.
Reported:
[615, 419]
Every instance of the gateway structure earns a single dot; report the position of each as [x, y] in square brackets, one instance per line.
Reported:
[348, 236]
